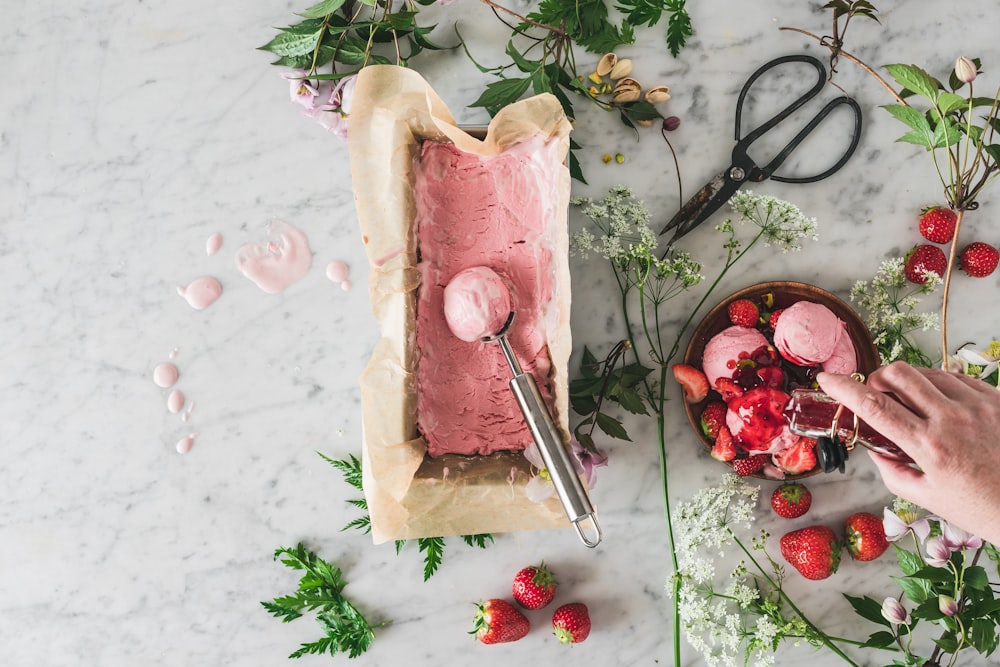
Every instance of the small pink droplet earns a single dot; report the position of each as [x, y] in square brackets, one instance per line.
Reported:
[165, 375]
[202, 292]
[185, 444]
[337, 271]
[175, 401]
[213, 244]
[346, 285]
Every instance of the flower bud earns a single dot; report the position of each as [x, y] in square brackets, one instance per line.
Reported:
[965, 70]
[671, 123]
[894, 612]
[947, 605]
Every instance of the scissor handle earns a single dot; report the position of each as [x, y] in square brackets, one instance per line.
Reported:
[823, 113]
[787, 111]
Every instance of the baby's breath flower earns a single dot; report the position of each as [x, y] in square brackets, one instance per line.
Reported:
[781, 222]
[891, 301]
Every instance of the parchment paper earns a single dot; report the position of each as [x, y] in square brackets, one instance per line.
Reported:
[410, 494]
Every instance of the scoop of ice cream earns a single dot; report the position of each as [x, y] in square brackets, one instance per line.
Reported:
[844, 359]
[725, 347]
[807, 333]
[477, 304]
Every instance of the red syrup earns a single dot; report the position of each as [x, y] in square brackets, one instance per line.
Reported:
[810, 412]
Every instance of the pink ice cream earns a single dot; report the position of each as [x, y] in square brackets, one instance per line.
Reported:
[724, 348]
[477, 304]
[808, 334]
[498, 212]
[844, 359]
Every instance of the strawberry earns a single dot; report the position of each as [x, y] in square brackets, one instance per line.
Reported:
[922, 259]
[937, 224]
[813, 551]
[534, 587]
[728, 388]
[749, 465]
[773, 320]
[743, 313]
[864, 535]
[497, 621]
[799, 458]
[791, 500]
[713, 417]
[571, 623]
[724, 448]
[693, 380]
[979, 259]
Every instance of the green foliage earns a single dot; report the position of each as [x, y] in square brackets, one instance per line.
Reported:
[649, 13]
[321, 590]
[431, 547]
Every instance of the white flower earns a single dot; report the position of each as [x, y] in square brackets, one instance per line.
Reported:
[938, 552]
[980, 363]
[894, 612]
[783, 223]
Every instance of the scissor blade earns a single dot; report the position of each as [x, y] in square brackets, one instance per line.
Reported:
[697, 209]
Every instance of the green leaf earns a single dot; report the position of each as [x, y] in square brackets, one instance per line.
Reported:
[868, 608]
[928, 610]
[503, 92]
[575, 171]
[291, 44]
[479, 540]
[629, 399]
[880, 639]
[946, 133]
[540, 82]
[420, 37]
[520, 61]
[916, 138]
[641, 111]
[589, 365]
[916, 590]
[678, 30]
[323, 8]
[583, 405]
[984, 635]
[909, 562]
[993, 150]
[612, 426]
[910, 116]
[976, 578]
[352, 51]
[915, 79]
[432, 548]
[935, 574]
[948, 102]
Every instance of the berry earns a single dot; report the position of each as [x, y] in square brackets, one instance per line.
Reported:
[979, 259]
[743, 313]
[724, 448]
[791, 500]
[713, 417]
[729, 389]
[761, 413]
[693, 380]
[534, 587]
[773, 320]
[571, 623]
[937, 225]
[497, 621]
[813, 551]
[799, 458]
[922, 259]
[864, 535]
[749, 465]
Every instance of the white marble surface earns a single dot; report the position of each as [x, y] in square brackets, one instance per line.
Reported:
[132, 131]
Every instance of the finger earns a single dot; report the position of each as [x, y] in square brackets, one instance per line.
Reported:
[954, 385]
[908, 385]
[890, 418]
[900, 478]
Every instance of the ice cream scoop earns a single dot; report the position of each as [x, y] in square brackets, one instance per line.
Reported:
[473, 302]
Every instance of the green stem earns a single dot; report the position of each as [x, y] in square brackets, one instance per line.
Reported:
[826, 639]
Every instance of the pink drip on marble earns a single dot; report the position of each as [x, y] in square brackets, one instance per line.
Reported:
[275, 264]
[213, 244]
[202, 292]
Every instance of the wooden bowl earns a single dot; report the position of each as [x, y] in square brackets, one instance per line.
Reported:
[785, 293]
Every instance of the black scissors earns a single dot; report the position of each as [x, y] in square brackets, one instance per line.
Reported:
[743, 169]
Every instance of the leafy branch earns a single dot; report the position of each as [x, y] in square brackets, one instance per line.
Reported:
[321, 589]
[431, 547]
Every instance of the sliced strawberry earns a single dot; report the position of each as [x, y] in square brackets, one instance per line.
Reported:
[728, 388]
[693, 381]
[724, 448]
[749, 465]
[799, 458]
[713, 417]
[774, 317]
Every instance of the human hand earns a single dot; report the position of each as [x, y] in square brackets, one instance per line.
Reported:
[949, 424]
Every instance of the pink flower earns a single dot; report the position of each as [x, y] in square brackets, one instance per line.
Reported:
[301, 90]
[894, 612]
[956, 538]
[897, 527]
[585, 461]
[938, 552]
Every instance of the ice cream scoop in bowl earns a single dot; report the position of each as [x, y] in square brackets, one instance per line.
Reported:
[478, 306]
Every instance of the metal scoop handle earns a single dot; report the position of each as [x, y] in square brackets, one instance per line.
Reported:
[571, 493]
